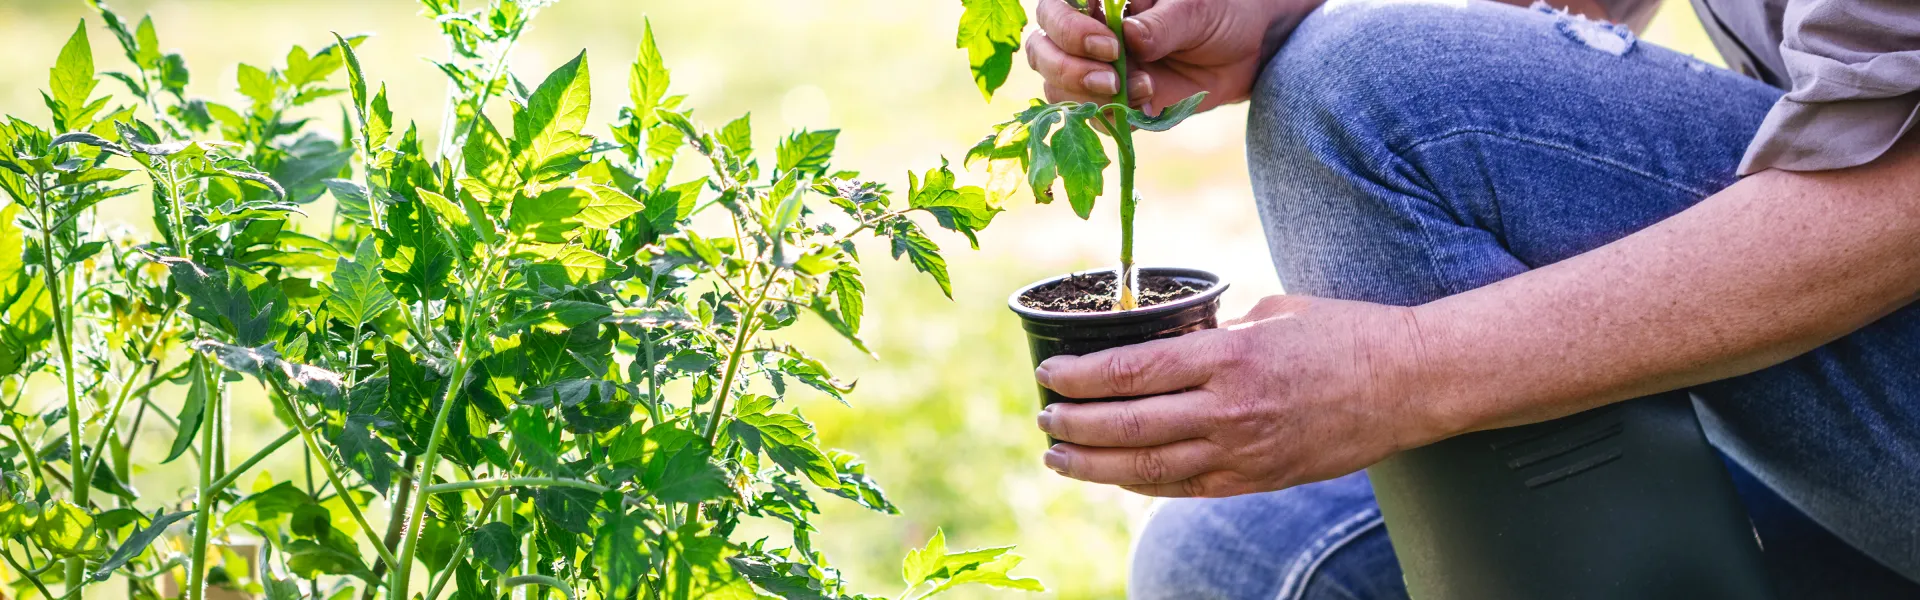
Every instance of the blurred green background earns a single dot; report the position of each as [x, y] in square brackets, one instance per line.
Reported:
[944, 417]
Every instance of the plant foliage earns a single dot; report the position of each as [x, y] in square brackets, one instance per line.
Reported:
[1058, 142]
[526, 355]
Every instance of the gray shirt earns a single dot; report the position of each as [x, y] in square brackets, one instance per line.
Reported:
[1851, 69]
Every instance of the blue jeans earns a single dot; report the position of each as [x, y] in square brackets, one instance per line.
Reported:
[1405, 151]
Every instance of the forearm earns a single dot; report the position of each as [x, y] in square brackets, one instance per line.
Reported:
[1769, 268]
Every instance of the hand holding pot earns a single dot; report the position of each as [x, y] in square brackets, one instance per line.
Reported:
[1178, 47]
[1300, 390]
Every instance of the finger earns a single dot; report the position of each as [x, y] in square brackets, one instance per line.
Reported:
[1130, 424]
[1166, 28]
[1156, 367]
[1215, 484]
[1077, 33]
[1178, 461]
[1072, 74]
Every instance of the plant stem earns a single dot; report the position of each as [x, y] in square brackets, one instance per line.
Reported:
[203, 502]
[33, 459]
[542, 580]
[63, 332]
[258, 456]
[126, 391]
[503, 482]
[460, 550]
[409, 542]
[398, 508]
[740, 342]
[1127, 298]
[279, 395]
[7, 553]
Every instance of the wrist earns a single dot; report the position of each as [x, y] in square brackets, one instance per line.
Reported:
[1427, 379]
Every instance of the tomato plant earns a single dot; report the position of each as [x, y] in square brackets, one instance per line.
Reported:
[521, 355]
[1073, 154]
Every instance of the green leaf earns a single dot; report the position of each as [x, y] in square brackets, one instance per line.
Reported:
[622, 552]
[366, 454]
[921, 563]
[566, 264]
[737, 136]
[679, 467]
[808, 151]
[356, 295]
[192, 413]
[988, 566]
[990, 33]
[923, 253]
[856, 485]
[546, 132]
[993, 574]
[564, 212]
[787, 579]
[65, 530]
[647, 85]
[963, 209]
[333, 555]
[257, 84]
[71, 78]
[567, 508]
[788, 440]
[138, 543]
[1042, 169]
[697, 567]
[496, 545]
[558, 316]
[356, 81]
[266, 364]
[1081, 159]
[488, 158]
[537, 436]
[1169, 116]
[240, 303]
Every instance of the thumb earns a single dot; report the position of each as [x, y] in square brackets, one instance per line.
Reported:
[1166, 27]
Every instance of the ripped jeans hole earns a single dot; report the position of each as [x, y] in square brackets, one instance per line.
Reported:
[1611, 38]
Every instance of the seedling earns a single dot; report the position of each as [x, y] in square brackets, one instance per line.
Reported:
[1072, 154]
[514, 345]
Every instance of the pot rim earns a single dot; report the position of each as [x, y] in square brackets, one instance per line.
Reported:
[1205, 296]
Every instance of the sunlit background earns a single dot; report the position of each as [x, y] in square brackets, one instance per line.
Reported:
[945, 416]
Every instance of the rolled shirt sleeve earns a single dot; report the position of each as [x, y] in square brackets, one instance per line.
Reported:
[1855, 71]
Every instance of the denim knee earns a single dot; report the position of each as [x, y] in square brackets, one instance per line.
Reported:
[1283, 544]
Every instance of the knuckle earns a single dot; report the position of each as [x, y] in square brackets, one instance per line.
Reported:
[1196, 487]
[1126, 372]
[1150, 466]
[1131, 425]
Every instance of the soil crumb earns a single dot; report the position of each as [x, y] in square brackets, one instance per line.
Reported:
[1093, 293]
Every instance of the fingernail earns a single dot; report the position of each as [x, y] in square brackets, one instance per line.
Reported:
[1041, 375]
[1103, 47]
[1056, 459]
[1136, 29]
[1045, 419]
[1140, 87]
[1102, 82]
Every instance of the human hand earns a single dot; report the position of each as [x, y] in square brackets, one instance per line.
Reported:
[1176, 48]
[1300, 390]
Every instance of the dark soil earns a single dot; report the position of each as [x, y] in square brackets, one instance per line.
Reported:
[1093, 293]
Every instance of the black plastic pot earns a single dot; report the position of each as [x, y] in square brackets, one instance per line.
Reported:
[1051, 334]
[1627, 501]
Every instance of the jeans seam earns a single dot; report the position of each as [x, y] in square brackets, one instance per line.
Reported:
[1569, 150]
[1303, 569]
